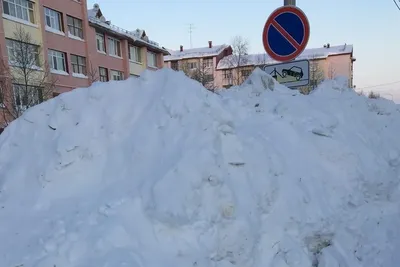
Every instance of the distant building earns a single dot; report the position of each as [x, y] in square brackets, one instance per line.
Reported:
[199, 63]
[325, 63]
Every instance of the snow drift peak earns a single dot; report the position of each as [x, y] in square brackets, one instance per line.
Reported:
[114, 174]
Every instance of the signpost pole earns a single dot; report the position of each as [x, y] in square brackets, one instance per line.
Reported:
[289, 2]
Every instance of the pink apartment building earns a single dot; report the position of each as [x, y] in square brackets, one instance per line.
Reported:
[79, 45]
[83, 46]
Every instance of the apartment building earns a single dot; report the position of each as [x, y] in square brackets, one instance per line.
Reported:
[329, 61]
[200, 62]
[79, 45]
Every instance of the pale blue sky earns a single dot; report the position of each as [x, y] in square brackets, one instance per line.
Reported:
[370, 25]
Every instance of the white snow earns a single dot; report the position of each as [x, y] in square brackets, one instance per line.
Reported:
[79, 75]
[133, 35]
[70, 35]
[171, 174]
[59, 72]
[196, 52]
[55, 31]
[310, 53]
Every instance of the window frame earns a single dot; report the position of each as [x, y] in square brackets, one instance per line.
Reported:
[79, 64]
[103, 78]
[53, 54]
[114, 46]
[155, 59]
[19, 97]
[137, 55]
[11, 45]
[29, 8]
[74, 26]
[119, 73]
[103, 42]
[51, 15]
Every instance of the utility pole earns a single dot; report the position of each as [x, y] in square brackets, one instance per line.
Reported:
[191, 28]
[289, 2]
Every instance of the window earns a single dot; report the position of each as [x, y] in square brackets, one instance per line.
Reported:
[134, 54]
[208, 62]
[192, 65]
[57, 60]
[22, 9]
[175, 65]
[75, 26]
[151, 59]
[78, 64]
[103, 73]
[26, 55]
[246, 73]
[53, 19]
[227, 74]
[116, 75]
[114, 47]
[100, 42]
[209, 78]
[26, 96]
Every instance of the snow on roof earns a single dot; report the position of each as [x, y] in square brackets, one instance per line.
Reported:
[137, 36]
[310, 53]
[196, 52]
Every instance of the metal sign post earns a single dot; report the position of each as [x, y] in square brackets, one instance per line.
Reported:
[289, 2]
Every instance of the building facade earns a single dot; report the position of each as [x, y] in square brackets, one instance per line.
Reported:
[327, 62]
[199, 63]
[78, 46]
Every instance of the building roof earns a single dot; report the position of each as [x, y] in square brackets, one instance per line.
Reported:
[215, 50]
[96, 17]
[260, 59]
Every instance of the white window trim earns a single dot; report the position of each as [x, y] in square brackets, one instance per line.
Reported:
[70, 35]
[55, 31]
[60, 17]
[112, 75]
[115, 56]
[132, 60]
[8, 17]
[109, 49]
[27, 22]
[104, 43]
[62, 72]
[155, 57]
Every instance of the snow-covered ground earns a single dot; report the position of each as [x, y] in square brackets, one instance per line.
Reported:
[157, 171]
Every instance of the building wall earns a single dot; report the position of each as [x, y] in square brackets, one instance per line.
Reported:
[331, 67]
[105, 60]
[339, 65]
[64, 43]
[49, 39]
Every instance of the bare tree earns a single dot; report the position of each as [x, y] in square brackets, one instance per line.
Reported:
[202, 72]
[239, 59]
[92, 73]
[316, 76]
[25, 79]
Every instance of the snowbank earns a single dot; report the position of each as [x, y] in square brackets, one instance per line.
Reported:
[157, 171]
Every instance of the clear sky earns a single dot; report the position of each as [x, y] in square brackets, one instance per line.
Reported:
[372, 26]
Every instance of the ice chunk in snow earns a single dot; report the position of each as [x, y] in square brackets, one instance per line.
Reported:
[171, 174]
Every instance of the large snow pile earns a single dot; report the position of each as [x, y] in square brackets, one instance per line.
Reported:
[158, 171]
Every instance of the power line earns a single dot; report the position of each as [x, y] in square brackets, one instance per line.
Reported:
[377, 85]
[398, 7]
